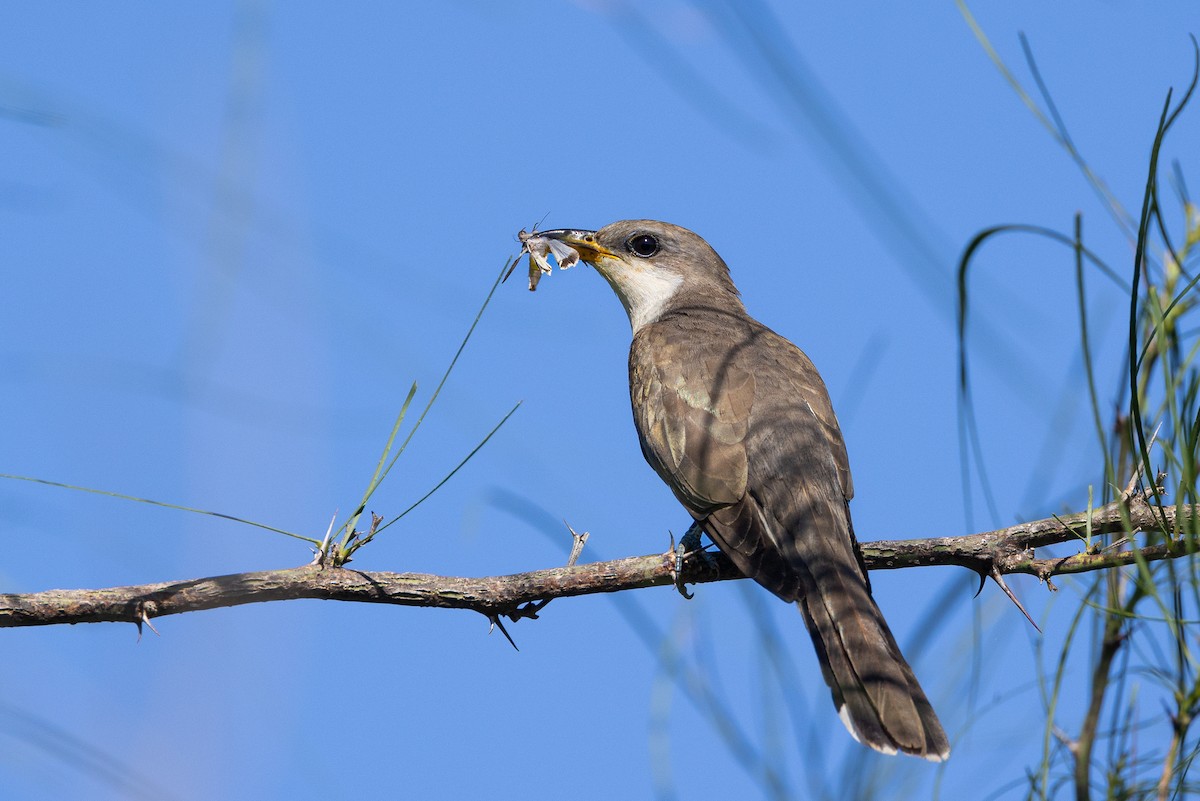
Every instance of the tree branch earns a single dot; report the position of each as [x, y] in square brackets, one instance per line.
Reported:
[1009, 550]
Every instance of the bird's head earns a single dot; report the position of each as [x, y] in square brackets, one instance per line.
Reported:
[652, 266]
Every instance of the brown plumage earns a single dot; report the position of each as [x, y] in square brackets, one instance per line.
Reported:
[738, 423]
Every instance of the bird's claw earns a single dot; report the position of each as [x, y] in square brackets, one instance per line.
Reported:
[688, 545]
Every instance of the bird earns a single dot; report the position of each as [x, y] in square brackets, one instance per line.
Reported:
[738, 423]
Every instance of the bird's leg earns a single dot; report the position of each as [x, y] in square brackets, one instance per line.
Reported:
[688, 545]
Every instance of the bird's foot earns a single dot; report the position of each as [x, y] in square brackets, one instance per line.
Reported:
[688, 545]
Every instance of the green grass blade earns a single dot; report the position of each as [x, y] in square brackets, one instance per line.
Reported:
[163, 504]
[457, 467]
[384, 467]
[1110, 475]
[1142, 450]
[461, 346]
[380, 471]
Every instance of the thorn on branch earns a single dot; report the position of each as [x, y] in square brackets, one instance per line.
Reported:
[578, 541]
[144, 617]
[532, 608]
[321, 552]
[998, 577]
[1070, 744]
[1114, 545]
[496, 623]
[1132, 486]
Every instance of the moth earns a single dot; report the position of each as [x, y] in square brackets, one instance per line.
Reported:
[540, 248]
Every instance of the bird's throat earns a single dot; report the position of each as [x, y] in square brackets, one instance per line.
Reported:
[644, 292]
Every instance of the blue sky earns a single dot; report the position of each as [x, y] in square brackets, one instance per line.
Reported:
[234, 235]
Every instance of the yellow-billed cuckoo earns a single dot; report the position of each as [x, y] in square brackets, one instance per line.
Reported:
[737, 421]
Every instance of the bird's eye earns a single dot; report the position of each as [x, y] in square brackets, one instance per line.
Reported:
[642, 245]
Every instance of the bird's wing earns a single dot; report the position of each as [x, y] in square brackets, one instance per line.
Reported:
[792, 524]
[692, 408]
[695, 391]
[793, 382]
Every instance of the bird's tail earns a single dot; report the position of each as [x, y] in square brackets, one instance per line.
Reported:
[876, 693]
[816, 563]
